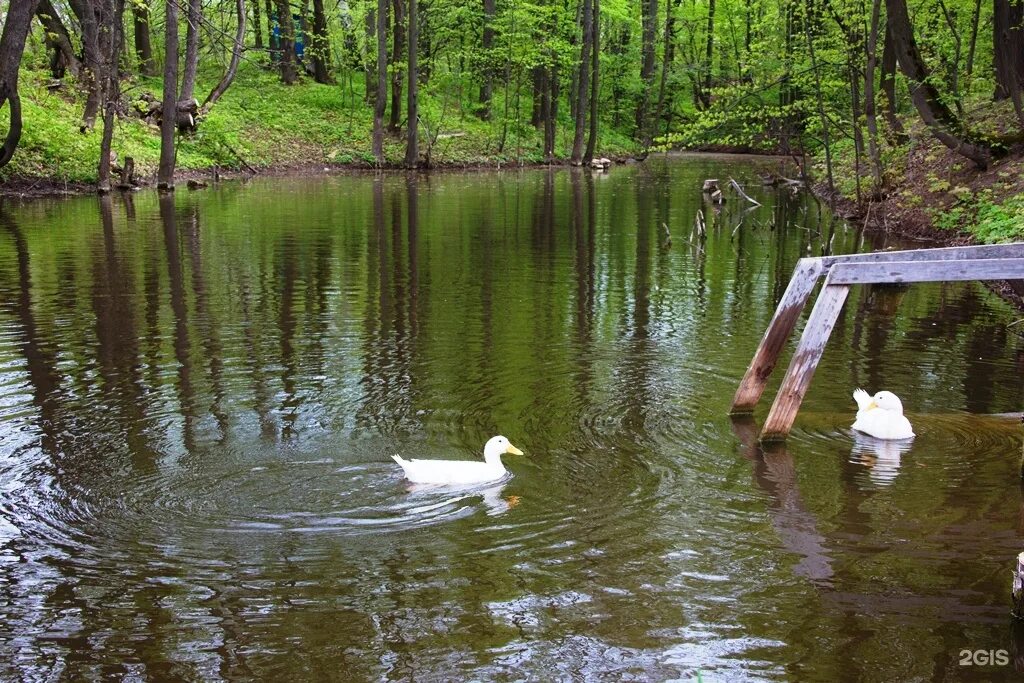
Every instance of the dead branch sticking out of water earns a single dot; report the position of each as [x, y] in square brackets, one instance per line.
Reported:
[699, 227]
[736, 186]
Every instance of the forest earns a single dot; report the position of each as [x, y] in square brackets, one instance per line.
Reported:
[850, 89]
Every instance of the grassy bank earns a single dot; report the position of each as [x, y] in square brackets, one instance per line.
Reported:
[263, 123]
[932, 191]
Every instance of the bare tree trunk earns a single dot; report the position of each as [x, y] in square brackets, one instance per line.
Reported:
[888, 84]
[969, 67]
[397, 75]
[143, 44]
[320, 45]
[668, 54]
[273, 39]
[870, 115]
[188, 76]
[114, 11]
[709, 55]
[92, 60]
[236, 56]
[936, 115]
[649, 17]
[257, 25]
[381, 100]
[165, 174]
[64, 57]
[486, 87]
[583, 83]
[1008, 47]
[821, 101]
[287, 41]
[595, 86]
[412, 150]
[370, 55]
[12, 45]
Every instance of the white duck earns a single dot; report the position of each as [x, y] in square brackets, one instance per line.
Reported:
[881, 416]
[460, 471]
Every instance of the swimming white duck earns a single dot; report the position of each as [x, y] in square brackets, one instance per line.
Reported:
[881, 416]
[460, 471]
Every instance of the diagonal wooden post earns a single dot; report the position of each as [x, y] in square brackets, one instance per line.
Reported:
[805, 275]
[805, 360]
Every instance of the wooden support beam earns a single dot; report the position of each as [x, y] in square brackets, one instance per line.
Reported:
[805, 275]
[925, 271]
[984, 251]
[805, 360]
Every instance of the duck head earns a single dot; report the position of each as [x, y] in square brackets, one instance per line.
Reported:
[886, 400]
[498, 446]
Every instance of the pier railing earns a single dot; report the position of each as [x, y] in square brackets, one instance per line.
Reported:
[989, 262]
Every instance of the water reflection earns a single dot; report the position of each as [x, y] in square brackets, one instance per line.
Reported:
[881, 458]
[199, 395]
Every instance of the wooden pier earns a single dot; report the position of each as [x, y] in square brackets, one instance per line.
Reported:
[989, 262]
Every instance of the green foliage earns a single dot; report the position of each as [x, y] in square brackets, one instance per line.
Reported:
[990, 222]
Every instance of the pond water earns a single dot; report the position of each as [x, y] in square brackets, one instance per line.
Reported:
[199, 397]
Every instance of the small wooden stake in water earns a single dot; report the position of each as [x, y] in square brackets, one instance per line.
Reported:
[1018, 588]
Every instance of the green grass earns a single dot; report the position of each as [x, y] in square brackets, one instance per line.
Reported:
[267, 123]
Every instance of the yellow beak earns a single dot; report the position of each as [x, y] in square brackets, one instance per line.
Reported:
[513, 450]
[871, 406]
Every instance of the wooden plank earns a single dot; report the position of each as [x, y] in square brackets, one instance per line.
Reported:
[805, 360]
[984, 251]
[919, 271]
[801, 284]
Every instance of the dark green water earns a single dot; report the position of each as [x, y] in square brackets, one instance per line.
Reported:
[199, 397]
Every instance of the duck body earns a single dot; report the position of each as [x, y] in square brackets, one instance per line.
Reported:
[881, 416]
[460, 472]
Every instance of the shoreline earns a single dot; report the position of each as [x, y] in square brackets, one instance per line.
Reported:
[914, 224]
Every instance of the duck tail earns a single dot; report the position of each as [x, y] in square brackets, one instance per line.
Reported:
[862, 398]
[399, 460]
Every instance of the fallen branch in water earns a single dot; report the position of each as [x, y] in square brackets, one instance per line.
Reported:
[736, 186]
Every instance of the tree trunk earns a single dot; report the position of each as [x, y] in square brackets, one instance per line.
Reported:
[257, 25]
[381, 99]
[165, 174]
[969, 67]
[188, 76]
[64, 57]
[236, 57]
[668, 55]
[888, 86]
[143, 44]
[709, 55]
[936, 115]
[870, 115]
[12, 45]
[583, 83]
[487, 43]
[320, 46]
[538, 74]
[1008, 47]
[412, 150]
[273, 39]
[113, 11]
[92, 59]
[649, 19]
[397, 75]
[595, 86]
[286, 27]
[551, 97]
[370, 55]
[821, 101]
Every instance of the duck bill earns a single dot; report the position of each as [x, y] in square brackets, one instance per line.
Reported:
[512, 450]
